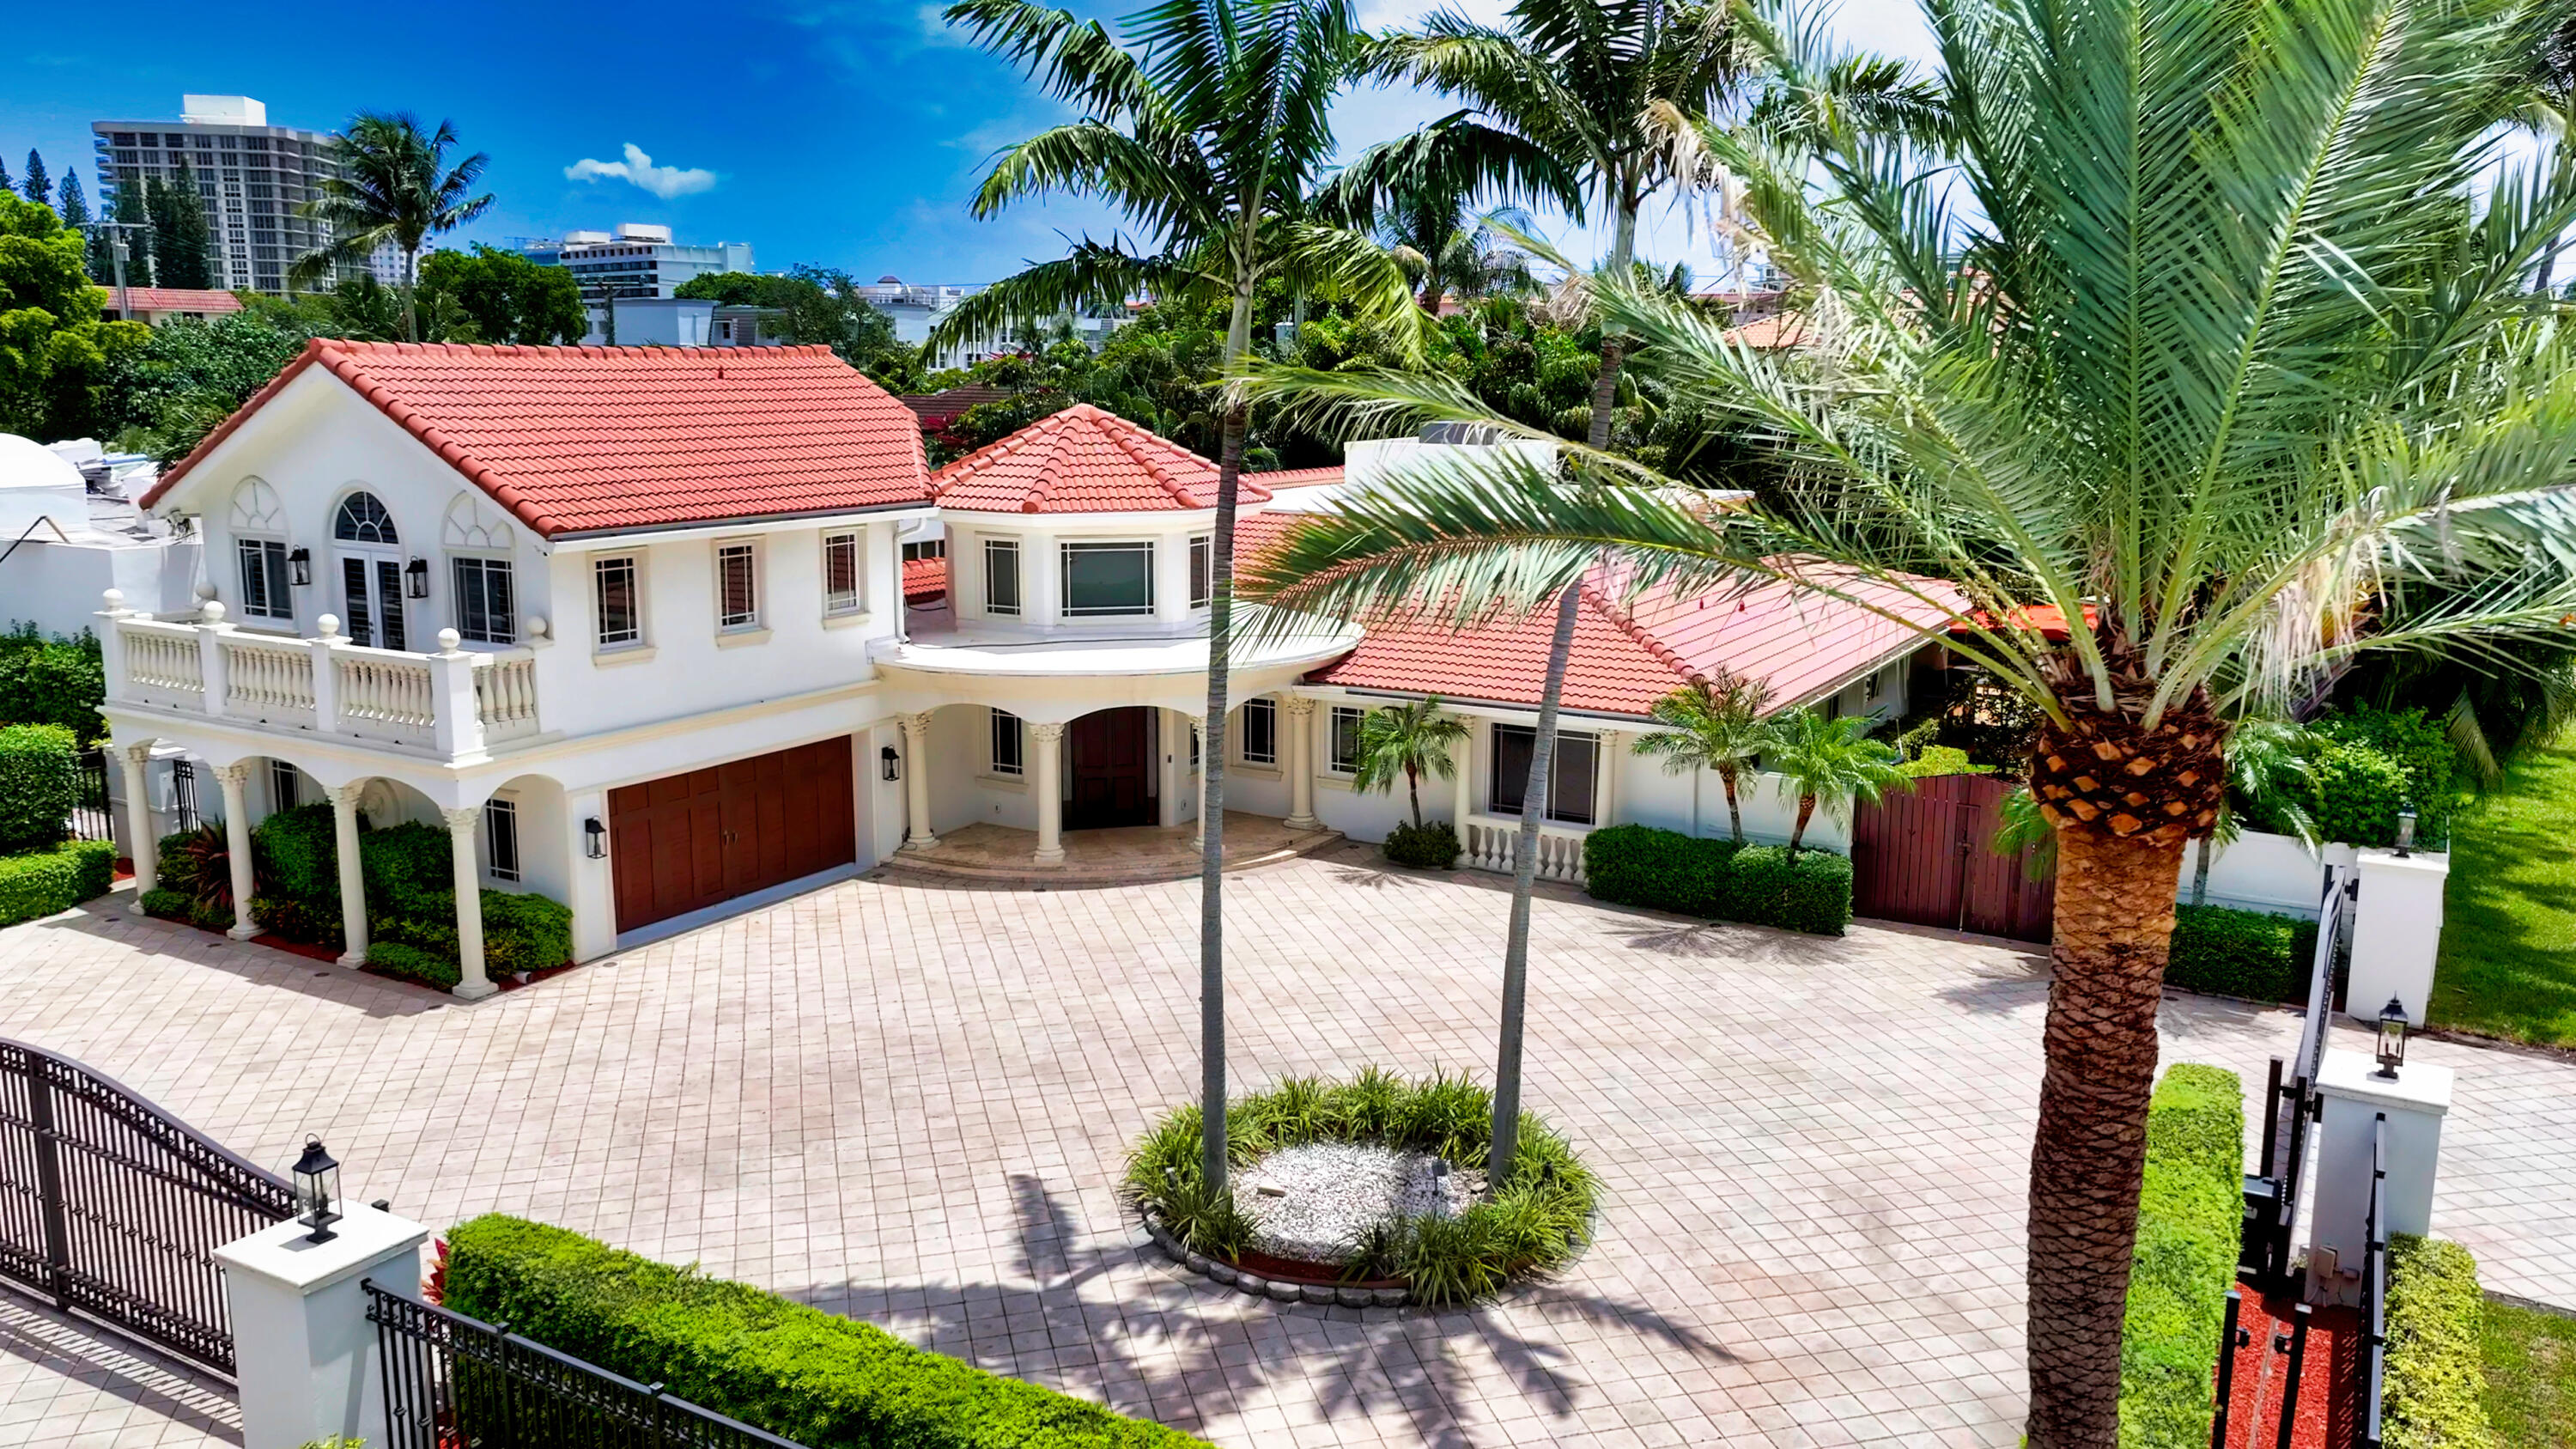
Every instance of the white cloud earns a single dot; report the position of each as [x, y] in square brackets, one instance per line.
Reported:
[665, 182]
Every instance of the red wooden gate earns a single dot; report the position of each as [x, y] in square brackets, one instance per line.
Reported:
[1926, 857]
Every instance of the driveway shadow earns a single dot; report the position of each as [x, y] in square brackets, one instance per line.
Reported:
[104, 919]
[60, 1345]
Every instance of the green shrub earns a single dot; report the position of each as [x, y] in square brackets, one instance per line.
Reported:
[199, 863]
[796, 1371]
[2422, 751]
[524, 932]
[1665, 870]
[2190, 1211]
[1812, 893]
[41, 882]
[297, 854]
[292, 918]
[2436, 1323]
[1941, 760]
[409, 870]
[2241, 953]
[53, 681]
[176, 866]
[1432, 847]
[172, 905]
[39, 784]
[411, 963]
[2358, 793]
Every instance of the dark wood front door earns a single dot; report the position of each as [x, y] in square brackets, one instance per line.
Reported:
[1113, 769]
[1926, 856]
[685, 842]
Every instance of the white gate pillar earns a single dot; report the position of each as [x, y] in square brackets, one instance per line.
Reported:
[2356, 1096]
[306, 1355]
[2396, 932]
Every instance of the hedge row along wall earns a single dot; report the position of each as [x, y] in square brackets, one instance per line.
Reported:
[2436, 1358]
[828, 1382]
[2190, 1213]
[1727, 880]
[41, 882]
[2241, 953]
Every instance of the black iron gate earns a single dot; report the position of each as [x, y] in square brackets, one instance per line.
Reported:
[113, 1208]
[2291, 1105]
[92, 815]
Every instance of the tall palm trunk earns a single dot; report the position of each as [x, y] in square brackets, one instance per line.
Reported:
[1734, 811]
[1507, 1061]
[1229, 473]
[1798, 832]
[2200, 871]
[1605, 388]
[1413, 787]
[411, 278]
[2115, 916]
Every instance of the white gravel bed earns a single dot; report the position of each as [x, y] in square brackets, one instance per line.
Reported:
[1317, 1202]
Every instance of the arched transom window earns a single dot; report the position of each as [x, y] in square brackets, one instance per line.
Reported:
[363, 520]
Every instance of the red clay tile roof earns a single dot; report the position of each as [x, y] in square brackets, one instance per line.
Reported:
[577, 439]
[172, 299]
[938, 409]
[1771, 334]
[924, 579]
[1083, 460]
[1295, 477]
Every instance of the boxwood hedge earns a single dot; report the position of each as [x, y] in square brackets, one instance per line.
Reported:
[41, 882]
[2190, 1211]
[2436, 1381]
[1665, 870]
[2241, 953]
[39, 783]
[829, 1382]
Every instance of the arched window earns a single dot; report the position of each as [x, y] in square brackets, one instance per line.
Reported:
[363, 520]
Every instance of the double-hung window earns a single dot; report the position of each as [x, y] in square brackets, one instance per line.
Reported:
[843, 581]
[1572, 777]
[1345, 739]
[284, 791]
[1106, 579]
[501, 838]
[737, 587]
[264, 580]
[1008, 757]
[1261, 732]
[483, 604]
[1001, 576]
[1202, 570]
[621, 616]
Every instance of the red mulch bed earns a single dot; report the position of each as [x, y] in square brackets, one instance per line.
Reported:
[2330, 1383]
[326, 955]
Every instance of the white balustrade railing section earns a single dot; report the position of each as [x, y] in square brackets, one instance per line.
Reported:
[268, 680]
[385, 695]
[505, 696]
[164, 660]
[1490, 840]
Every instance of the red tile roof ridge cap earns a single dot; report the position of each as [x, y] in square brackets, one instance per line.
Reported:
[958, 470]
[1664, 653]
[1155, 468]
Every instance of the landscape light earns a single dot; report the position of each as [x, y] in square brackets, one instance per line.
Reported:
[2392, 1038]
[317, 1189]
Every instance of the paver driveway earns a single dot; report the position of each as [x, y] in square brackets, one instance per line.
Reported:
[908, 1103]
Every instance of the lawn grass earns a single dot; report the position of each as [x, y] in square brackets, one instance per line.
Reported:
[2531, 1377]
[2508, 963]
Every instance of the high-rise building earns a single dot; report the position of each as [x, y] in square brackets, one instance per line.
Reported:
[639, 260]
[250, 175]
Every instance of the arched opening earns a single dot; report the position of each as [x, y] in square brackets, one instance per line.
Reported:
[370, 585]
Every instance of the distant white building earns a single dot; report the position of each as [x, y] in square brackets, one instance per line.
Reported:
[251, 176]
[637, 260]
[72, 531]
[918, 307]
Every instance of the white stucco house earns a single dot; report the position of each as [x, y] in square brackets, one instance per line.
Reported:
[662, 633]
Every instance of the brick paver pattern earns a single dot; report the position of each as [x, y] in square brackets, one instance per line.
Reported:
[908, 1102]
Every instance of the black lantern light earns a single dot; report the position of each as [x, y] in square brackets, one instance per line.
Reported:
[299, 566]
[890, 763]
[2406, 831]
[416, 579]
[2392, 1038]
[317, 1190]
[595, 838]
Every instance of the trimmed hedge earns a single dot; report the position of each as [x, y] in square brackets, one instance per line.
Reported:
[39, 784]
[2353, 786]
[41, 882]
[1431, 847]
[1665, 870]
[829, 1382]
[2190, 1212]
[2241, 953]
[2436, 1357]
[411, 963]
[409, 877]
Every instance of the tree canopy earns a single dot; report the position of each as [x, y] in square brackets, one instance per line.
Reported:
[504, 297]
[55, 353]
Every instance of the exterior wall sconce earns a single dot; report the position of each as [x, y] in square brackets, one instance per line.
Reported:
[416, 579]
[317, 1190]
[594, 839]
[2392, 1038]
[2406, 832]
[889, 764]
[299, 567]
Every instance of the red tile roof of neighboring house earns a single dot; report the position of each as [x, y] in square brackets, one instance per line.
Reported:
[2047, 619]
[1082, 460]
[924, 579]
[172, 299]
[1295, 477]
[579, 439]
[1770, 334]
[938, 409]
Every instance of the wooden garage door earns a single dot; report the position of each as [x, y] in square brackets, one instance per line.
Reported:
[685, 842]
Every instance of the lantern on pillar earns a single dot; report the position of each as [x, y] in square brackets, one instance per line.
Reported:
[317, 1190]
[2392, 1038]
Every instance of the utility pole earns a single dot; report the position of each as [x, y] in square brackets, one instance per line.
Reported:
[116, 231]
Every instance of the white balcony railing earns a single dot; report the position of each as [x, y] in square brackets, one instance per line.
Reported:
[449, 703]
[1490, 840]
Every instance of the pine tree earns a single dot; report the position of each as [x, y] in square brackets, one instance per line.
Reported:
[40, 185]
[134, 209]
[72, 204]
[179, 232]
[5, 183]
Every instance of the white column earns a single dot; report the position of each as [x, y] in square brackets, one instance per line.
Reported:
[1464, 784]
[146, 846]
[1301, 763]
[326, 674]
[212, 666]
[235, 779]
[1048, 741]
[916, 779]
[1168, 757]
[1605, 809]
[2396, 932]
[1198, 746]
[2355, 1097]
[307, 1362]
[469, 903]
[353, 880]
[111, 641]
[456, 723]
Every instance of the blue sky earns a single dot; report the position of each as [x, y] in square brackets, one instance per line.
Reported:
[837, 132]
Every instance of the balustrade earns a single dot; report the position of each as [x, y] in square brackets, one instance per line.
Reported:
[269, 681]
[1489, 842]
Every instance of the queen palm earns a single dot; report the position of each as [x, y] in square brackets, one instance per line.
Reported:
[2219, 351]
[1210, 133]
[1406, 742]
[1828, 763]
[393, 185]
[1714, 725]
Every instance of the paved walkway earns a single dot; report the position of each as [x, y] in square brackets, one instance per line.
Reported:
[907, 1102]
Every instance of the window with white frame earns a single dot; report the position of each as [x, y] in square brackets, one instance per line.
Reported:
[843, 580]
[483, 601]
[1573, 776]
[621, 615]
[1107, 579]
[1001, 576]
[285, 791]
[1344, 757]
[737, 586]
[1261, 732]
[264, 580]
[1202, 571]
[501, 837]
[1009, 756]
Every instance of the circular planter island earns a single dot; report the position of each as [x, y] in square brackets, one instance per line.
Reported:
[1365, 1193]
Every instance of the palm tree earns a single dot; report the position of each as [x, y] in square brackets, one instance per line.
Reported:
[2217, 349]
[1210, 135]
[1407, 741]
[1713, 724]
[1829, 763]
[2267, 771]
[2549, 107]
[1418, 193]
[393, 185]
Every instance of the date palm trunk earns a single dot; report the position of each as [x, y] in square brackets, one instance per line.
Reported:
[1734, 810]
[1507, 1059]
[1605, 386]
